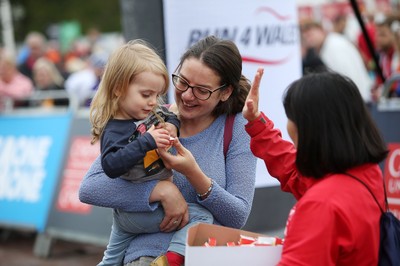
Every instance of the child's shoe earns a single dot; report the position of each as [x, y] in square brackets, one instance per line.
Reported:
[160, 261]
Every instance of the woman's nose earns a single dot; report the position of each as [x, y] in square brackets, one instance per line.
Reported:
[188, 94]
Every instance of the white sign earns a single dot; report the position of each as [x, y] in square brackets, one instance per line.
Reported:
[266, 33]
[23, 168]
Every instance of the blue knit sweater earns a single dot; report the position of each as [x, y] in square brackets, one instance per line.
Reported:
[230, 200]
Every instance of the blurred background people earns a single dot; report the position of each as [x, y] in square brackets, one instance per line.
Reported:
[311, 62]
[13, 84]
[338, 54]
[339, 23]
[76, 56]
[395, 27]
[388, 52]
[310, 59]
[83, 83]
[48, 78]
[35, 47]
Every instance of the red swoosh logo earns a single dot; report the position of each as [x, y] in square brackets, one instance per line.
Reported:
[264, 62]
[272, 12]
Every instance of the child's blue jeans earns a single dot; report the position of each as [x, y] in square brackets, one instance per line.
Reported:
[127, 225]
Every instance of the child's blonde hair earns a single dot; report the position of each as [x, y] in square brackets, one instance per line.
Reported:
[124, 64]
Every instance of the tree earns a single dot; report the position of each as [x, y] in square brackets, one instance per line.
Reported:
[38, 15]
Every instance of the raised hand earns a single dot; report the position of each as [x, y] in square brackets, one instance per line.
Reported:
[250, 109]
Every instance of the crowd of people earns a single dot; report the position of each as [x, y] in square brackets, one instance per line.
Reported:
[330, 46]
[40, 66]
[78, 70]
[333, 138]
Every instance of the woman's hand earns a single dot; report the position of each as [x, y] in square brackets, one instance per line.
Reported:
[175, 206]
[182, 162]
[185, 163]
[250, 109]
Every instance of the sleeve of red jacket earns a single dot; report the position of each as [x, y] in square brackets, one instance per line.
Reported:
[278, 154]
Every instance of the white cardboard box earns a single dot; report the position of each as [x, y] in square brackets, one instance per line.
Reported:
[197, 254]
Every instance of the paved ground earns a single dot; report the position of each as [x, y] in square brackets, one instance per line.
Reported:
[16, 249]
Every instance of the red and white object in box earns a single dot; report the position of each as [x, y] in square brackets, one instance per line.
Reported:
[197, 254]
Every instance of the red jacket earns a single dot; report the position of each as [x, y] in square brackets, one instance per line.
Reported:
[336, 220]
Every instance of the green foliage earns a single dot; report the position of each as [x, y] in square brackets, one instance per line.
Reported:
[39, 14]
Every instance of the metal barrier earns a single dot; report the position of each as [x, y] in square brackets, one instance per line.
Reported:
[44, 154]
[32, 146]
[69, 219]
[39, 95]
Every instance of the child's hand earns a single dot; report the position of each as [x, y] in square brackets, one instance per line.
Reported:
[173, 131]
[161, 136]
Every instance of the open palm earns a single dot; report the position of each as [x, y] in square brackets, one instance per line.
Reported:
[250, 109]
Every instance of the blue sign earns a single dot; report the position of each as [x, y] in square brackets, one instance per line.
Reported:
[32, 149]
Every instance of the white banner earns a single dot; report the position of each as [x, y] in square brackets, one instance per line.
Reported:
[266, 33]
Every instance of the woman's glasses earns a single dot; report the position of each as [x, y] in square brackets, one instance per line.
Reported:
[199, 92]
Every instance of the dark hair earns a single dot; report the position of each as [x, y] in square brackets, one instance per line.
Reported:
[223, 57]
[335, 129]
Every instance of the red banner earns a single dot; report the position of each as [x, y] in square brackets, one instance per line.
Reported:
[81, 156]
[392, 178]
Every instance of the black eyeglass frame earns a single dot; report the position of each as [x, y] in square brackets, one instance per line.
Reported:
[174, 76]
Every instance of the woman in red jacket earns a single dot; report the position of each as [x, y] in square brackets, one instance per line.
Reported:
[336, 220]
